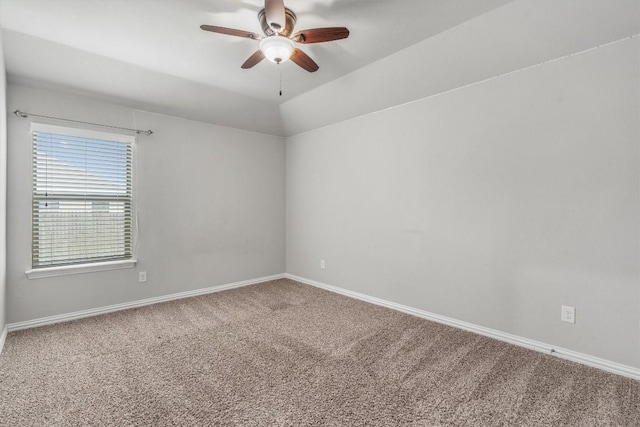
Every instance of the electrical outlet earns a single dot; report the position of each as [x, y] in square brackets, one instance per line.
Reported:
[142, 276]
[568, 314]
[322, 264]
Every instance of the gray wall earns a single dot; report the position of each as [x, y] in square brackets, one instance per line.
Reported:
[494, 204]
[210, 202]
[3, 188]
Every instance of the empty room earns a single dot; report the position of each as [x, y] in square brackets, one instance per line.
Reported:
[319, 212]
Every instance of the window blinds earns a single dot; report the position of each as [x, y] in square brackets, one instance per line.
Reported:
[82, 200]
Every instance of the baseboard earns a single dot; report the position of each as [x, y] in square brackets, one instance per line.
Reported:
[133, 304]
[3, 338]
[574, 356]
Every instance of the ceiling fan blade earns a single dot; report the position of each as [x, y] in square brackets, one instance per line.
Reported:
[304, 61]
[253, 59]
[319, 35]
[231, 32]
[274, 11]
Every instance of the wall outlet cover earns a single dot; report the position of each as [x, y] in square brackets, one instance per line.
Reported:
[568, 314]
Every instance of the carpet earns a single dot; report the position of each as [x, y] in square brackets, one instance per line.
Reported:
[284, 353]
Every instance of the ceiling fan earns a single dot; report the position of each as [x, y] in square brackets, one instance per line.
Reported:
[277, 44]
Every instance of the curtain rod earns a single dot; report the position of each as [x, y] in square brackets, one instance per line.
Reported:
[24, 115]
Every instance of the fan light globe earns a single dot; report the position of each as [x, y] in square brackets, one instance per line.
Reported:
[277, 49]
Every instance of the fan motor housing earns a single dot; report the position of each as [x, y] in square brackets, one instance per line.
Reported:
[290, 23]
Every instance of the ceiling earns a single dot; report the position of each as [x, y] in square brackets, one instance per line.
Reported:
[163, 37]
[153, 55]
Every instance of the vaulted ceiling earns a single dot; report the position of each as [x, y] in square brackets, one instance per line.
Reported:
[152, 53]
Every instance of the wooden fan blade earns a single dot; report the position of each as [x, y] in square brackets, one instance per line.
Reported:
[231, 32]
[253, 59]
[274, 11]
[303, 60]
[319, 35]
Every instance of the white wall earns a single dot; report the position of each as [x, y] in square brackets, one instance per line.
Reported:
[494, 204]
[3, 188]
[210, 201]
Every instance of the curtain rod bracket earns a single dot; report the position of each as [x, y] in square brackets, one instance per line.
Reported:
[24, 115]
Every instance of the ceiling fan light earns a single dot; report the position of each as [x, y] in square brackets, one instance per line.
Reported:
[277, 49]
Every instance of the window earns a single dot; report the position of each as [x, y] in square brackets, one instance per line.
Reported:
[82, 208]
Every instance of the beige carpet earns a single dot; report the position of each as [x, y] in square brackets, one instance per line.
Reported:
[283, 353]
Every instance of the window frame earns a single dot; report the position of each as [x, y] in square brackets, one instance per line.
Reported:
[85, 267]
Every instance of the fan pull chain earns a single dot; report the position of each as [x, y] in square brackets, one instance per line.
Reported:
[280, 71]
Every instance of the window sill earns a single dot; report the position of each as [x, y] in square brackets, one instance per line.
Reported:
[39, 273]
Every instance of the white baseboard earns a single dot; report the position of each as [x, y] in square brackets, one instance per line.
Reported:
[585, 359]
[133, 304]
[574, 356]
[3, 338]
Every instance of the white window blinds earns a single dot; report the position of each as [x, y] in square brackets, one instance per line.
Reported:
[82, 197]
